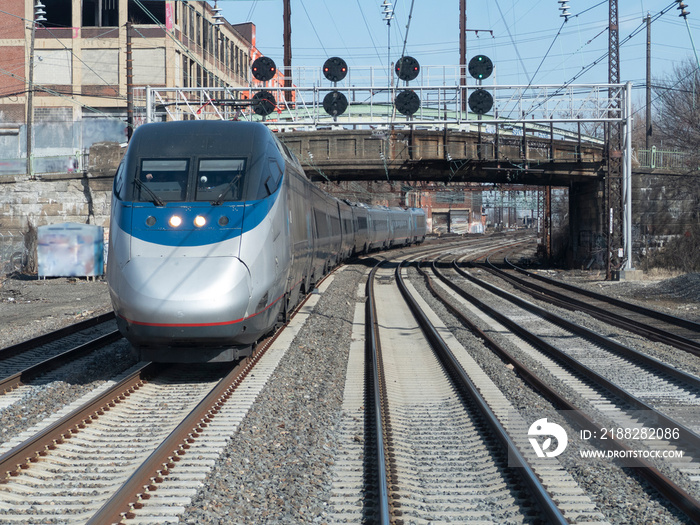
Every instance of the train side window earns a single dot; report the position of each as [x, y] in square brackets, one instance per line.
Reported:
[162, 179]
[220, 180]
[119, 181]
[272, 182]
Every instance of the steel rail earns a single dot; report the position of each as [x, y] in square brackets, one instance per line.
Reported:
[670, 319]
[373, 360]
[686, 434]
[144, 481]
[458, 375]
[152, 471]
[688, 504]
[29, 451]
[616, 319]
[18, 348]
[15, 380]
[590, 335]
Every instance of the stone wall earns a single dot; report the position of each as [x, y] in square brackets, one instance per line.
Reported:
[663, 206]
[26, 204]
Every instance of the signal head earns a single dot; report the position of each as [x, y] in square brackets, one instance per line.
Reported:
[335, 69]
[480, 67]
[264, 68]
[407, 68]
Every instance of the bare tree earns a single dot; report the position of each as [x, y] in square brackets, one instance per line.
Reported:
[677, 126]
[677, 108]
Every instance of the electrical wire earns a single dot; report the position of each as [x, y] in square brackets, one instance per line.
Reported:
[517, 52]
[597, 61]
[313, 27]
[369, 32]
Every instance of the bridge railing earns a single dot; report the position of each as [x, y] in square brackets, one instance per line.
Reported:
[662, 159]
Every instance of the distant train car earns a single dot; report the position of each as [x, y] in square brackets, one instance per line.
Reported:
[379, 228]
[360, 221]
[418, 225]
[216, 234]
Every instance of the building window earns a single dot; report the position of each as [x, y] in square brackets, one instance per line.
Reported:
[96, 13]
[185, 72]
[58, 13]
[152, 9]
[205, 33]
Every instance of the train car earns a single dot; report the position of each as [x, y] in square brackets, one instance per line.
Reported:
[418, 225]
[360, 221]
[199, 252]
[379, 228]
[347, 230]
[399, 221]
[216, 234]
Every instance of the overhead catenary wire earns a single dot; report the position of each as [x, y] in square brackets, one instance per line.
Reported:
[597, 61]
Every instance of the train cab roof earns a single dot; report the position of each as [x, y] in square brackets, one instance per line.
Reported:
[203, 160]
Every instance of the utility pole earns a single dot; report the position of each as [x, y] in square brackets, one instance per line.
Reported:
[388, 12]
[37, 16]
[614, 191]
[287, 15]
[129, 84]
[463, 51]
[648, 117]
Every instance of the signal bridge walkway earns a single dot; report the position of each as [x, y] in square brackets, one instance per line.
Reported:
[530, 135]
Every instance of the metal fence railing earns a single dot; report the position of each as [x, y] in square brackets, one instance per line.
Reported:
[662, 159]
[43, 164]
[13, 252]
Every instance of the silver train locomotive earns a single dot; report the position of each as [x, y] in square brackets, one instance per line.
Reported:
[216, 234]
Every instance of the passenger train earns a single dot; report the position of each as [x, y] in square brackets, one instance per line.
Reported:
[216, 234]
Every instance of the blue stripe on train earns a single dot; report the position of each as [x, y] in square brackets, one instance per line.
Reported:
[132, 217]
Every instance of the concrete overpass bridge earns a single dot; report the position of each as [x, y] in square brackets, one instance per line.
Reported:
[409, 154]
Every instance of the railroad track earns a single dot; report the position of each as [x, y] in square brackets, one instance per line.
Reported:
[138, 446]
[29, 365]
[651, 324]
[614, 406]
[440, 435]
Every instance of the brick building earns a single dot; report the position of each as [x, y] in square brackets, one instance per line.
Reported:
[80, 68]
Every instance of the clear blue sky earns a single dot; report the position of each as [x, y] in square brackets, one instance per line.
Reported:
[523, 31]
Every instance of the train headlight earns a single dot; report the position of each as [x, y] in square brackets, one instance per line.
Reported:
[199, 221]
[175, 221]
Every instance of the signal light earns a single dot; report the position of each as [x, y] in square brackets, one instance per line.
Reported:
[264, 103]
[480, 101]
[335, 103]
[407, 102]
[175, 221]
[335, 69]
[199, 221]
[480, 67]
[407, 68]
[264, 68]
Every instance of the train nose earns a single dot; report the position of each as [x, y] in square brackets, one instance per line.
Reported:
[184, 291]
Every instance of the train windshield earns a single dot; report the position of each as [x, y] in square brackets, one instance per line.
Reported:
[220, 180]
[161, 180]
